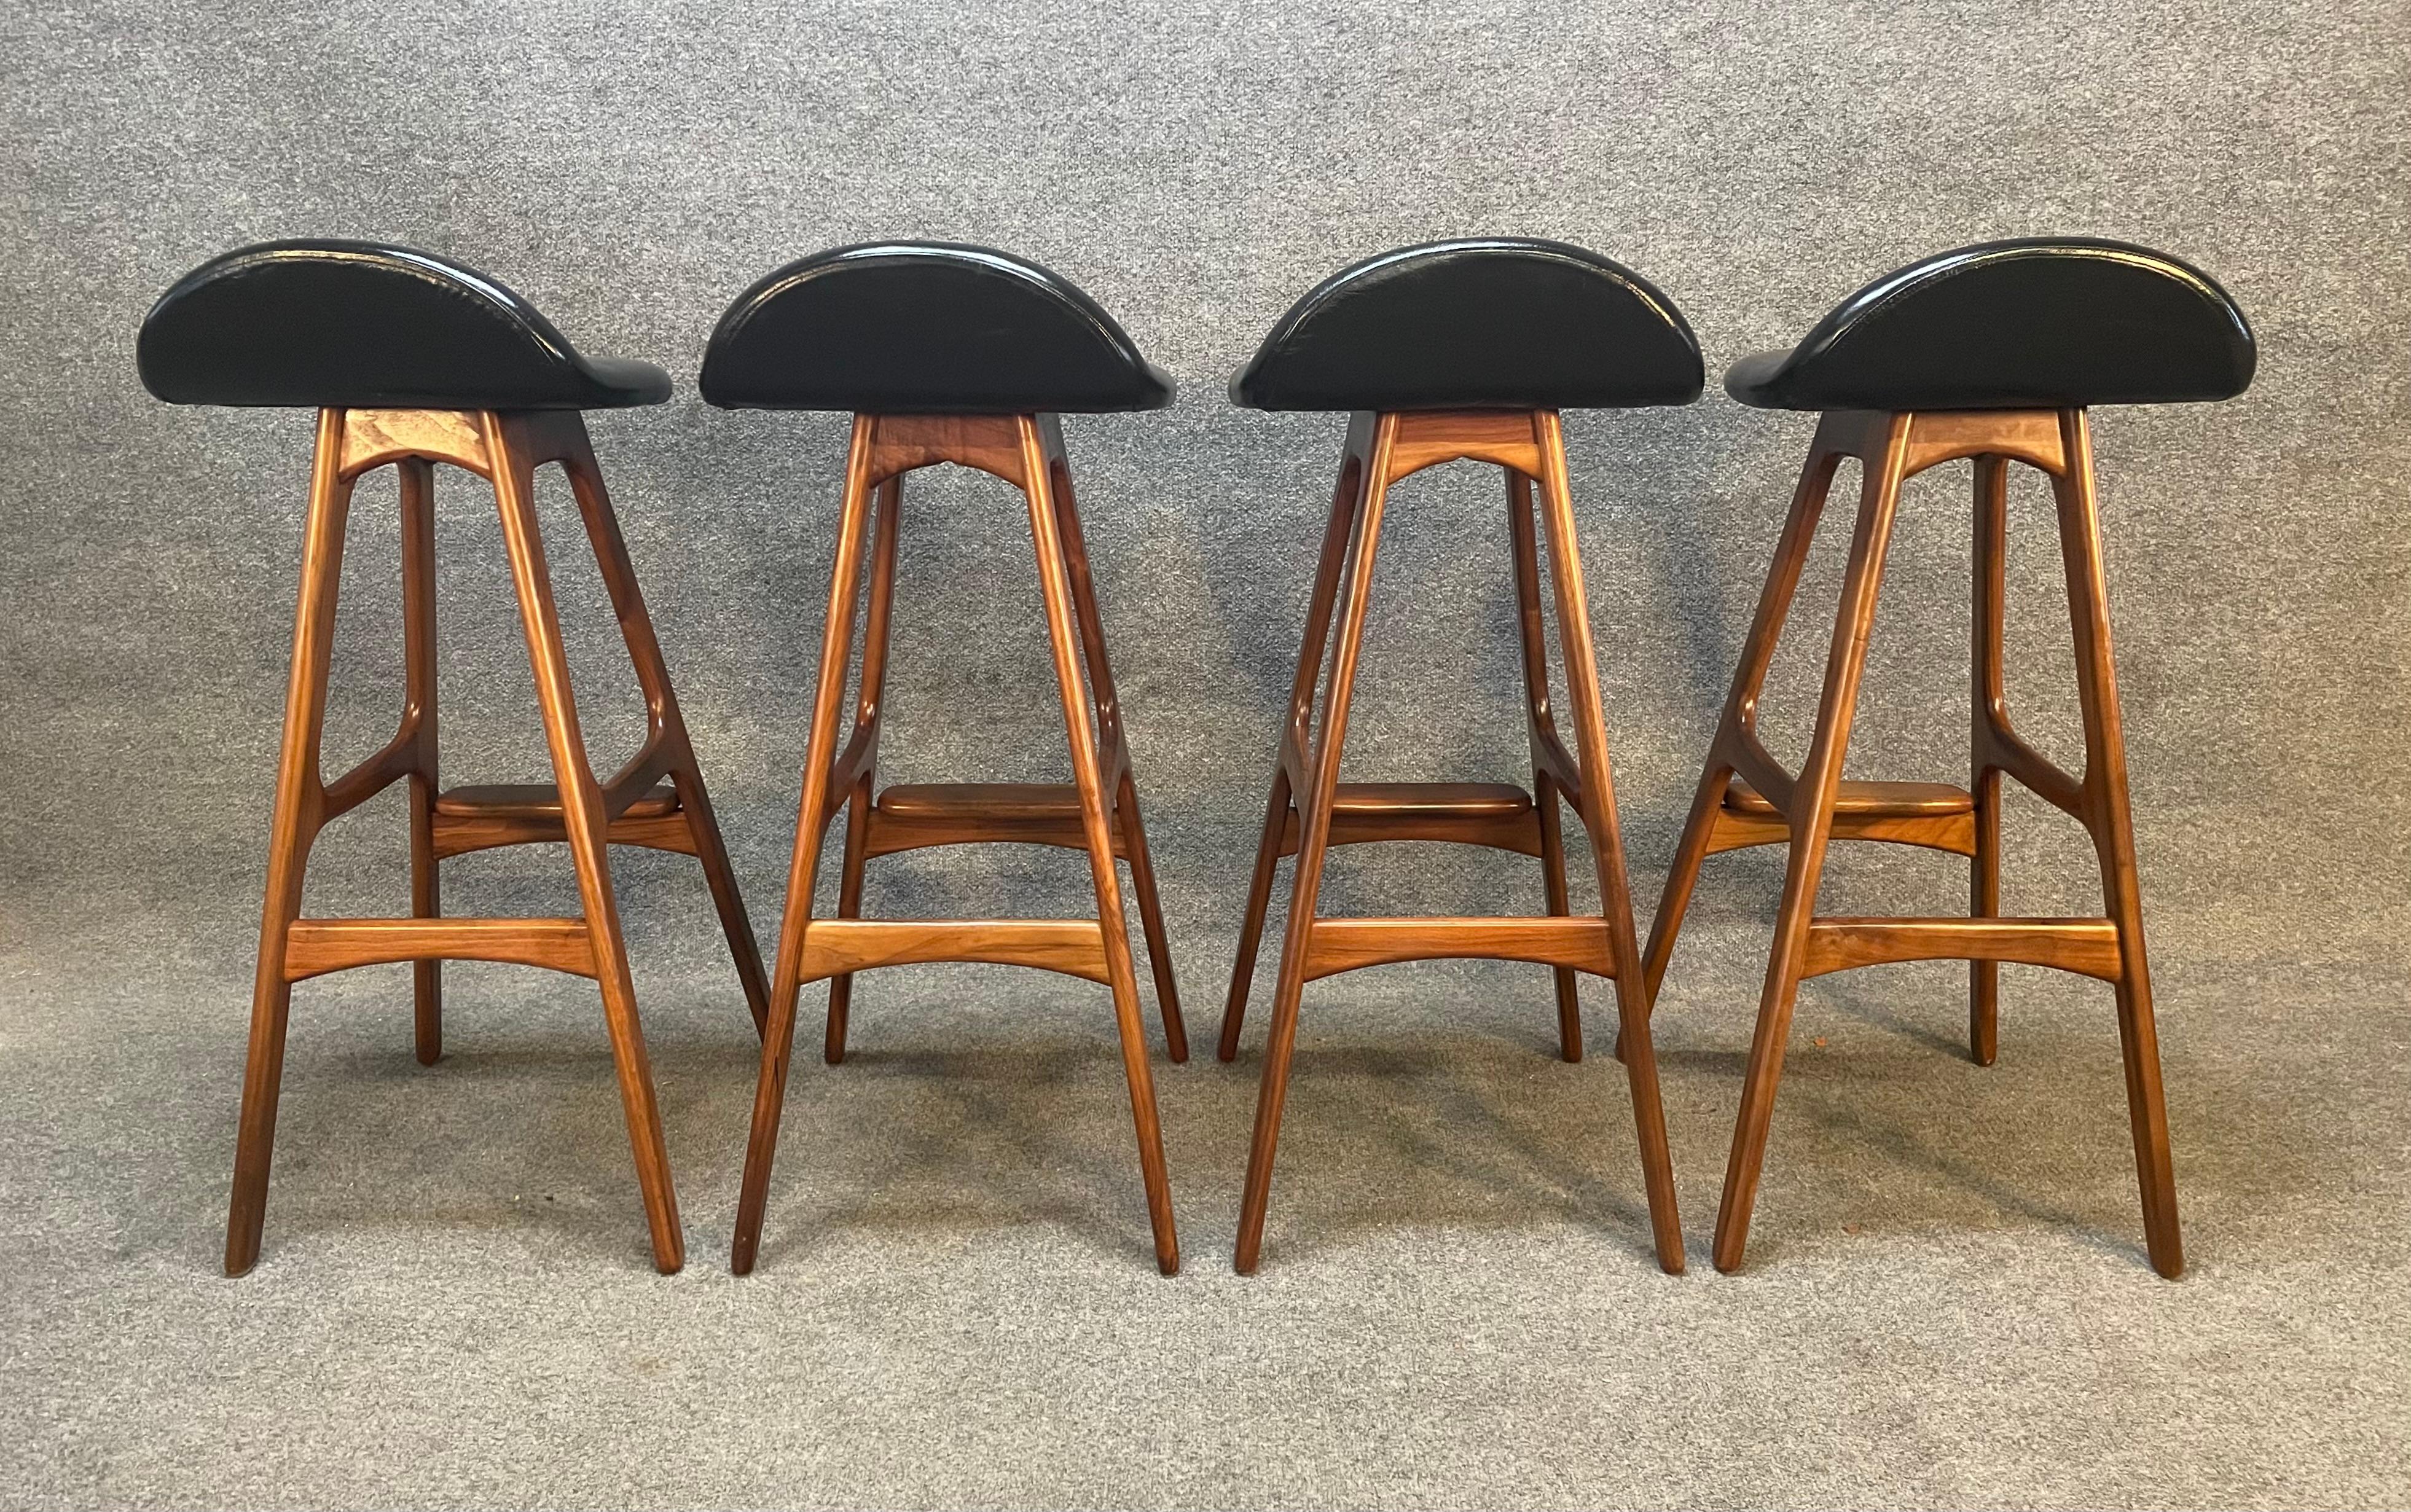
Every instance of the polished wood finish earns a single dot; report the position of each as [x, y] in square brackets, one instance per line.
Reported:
[837, 947]
[1311, 810]
[1746, 798]
[505, 449]
[1096, 812]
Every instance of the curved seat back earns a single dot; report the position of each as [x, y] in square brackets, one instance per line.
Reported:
[2042, 323]
[924, 328]
[1484, 324]
[355, 324]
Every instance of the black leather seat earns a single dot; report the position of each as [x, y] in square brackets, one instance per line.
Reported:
[352, 325]
[1476, 325]
[925, 328]
[2047, 323]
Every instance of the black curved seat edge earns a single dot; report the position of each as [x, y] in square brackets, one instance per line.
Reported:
[1477, 322]
[925, 328]
[2030, 322]
[362, 325]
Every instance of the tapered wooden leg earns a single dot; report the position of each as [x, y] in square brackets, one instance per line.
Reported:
[1314, 644]
[876, 617]
[1741, 708]
[1150, 918]
[1530, 631]
[299, 796]
[2110, 820]
[667, 725]
[1055, 582]
[849, 905]
[1990, 713]
[585, 826]
[1598, 807]
[1314, 836]
[1113, 747]
[820, 754]
[418, 714]
[1553, 881]
[1811, 817]
[1251, 923]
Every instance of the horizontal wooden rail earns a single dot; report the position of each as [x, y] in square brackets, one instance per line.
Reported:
[313, 947]
[1337, 945]
[1075, 947]
[2088, 946]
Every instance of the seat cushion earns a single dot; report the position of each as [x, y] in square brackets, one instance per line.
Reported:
[925, 328]
[2047, 323]
[353, 324]
[1490, 324]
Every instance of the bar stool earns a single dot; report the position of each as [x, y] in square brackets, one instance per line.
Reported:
[1991, 353]
[412, 361]
[1449, 351]
[962, 354]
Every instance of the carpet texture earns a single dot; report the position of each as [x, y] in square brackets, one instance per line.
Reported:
[1946, 1301]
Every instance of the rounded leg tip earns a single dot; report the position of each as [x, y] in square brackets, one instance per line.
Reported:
[429, 1057]
[1168, 1264]
[1179, 1055]
[236, 1267]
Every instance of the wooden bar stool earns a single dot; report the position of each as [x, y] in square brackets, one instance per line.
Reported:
[411, 361]
[1458, 350]
[1991, 353]
[962, 354]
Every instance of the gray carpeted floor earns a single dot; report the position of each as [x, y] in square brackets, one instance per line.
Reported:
[1947, 1302]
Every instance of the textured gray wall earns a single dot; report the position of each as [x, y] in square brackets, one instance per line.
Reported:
[629, 169]
[1196, 170]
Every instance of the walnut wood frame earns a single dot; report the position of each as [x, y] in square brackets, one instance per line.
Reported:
[1097, 812]
[631, 807]
[1311, 810]
[1744, 798]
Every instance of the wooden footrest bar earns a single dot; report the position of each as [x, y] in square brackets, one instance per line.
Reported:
[1337, 945]
[1075, 947]
[915, 816]
[1933, 814]
[2086, 946]
[1496, 814]
[313, 947]
[526, 813]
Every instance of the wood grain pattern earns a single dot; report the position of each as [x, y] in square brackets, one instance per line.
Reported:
[1311, 810]
[1337, 945]
[1096, 812]
[316, 946]
[505, 449]
[1075, 947]
[2088, 946]
[1817, 807]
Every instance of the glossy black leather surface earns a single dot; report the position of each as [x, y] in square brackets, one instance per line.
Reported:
[355, 325]
[1485, 324]
[924, 328]
[2047, 323]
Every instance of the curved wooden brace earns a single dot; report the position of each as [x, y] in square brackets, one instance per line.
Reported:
[1337, 945]
[990, 444]
[313, 947]
[372, 438]
[1427, 438]
[833, 947]
[2088, 946]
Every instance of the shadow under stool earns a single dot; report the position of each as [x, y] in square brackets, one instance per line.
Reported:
[1991, 353]
[962, 354]
[412, 362]
[1457, 350]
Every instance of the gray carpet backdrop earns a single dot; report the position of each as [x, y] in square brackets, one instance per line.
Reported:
[1947, 1301]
